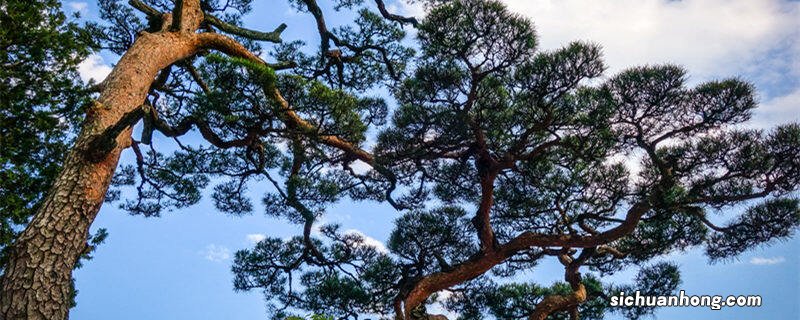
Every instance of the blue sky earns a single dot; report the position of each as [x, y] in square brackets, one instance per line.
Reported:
[178, 266]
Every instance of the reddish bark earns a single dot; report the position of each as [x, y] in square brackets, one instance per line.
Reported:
[37, 280]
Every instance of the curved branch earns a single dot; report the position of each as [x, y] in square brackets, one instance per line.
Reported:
[144, 8]
[394, 17]
[481, 221]
[484, 261]
[292, 119]
[322, 27]
[335, 55]
[227, 46]
[555, 303]
[274, 36]
[569, 302]
[196, 76]
[205, 130]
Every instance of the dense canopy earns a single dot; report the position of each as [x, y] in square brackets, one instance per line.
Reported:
[41, 97]
[496, 154]
[501, 155]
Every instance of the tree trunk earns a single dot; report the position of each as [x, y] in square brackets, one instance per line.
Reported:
[37, 280]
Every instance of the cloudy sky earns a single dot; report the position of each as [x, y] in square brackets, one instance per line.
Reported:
[177, 266]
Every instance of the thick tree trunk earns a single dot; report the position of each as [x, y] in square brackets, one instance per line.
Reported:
[36, 283]
[37, 279]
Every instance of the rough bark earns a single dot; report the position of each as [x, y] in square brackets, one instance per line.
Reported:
[37, 280]
[555, 303]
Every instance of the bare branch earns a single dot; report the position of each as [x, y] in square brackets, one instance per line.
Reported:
[390, 16]
[274, 36]
[205, 130]
[177, 16]
[553, 303]
[102, 144]
[196, 76]
[144, 8]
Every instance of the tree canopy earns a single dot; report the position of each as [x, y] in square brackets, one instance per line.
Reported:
[503, 156]
[499, 156]
[41, 99]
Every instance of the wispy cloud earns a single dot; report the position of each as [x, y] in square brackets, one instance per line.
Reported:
[763, 261]
[255, 237]
[216, 253]
[76, 6]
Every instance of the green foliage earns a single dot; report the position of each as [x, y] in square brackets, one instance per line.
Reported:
[240, 104]
[368, 53]
[659, 279]
[446, 232]
[483, 104]
[760, 224]
[486, 33]
[166, 182]
[41, 99]
[479, 115]
[330, 288]
[263, 73]
[310, 317]
[485, 299]
[662, 233]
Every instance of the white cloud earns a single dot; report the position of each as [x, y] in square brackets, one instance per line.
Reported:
[216, 253]
[709, 37]
[762, 261]
[360, 167]
[255, 237]
[81, 7]
[369, 241]
[403, 7]
[93, 68]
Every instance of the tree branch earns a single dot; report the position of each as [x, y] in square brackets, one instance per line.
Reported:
[274, 36]
[390, 16]
[335, 55]
[177, 16]
[553, 303]
[484, 261]
[205, 130]
[102, 144]
[482, 221]
[144, 8]
[196, 76]
[570, 302]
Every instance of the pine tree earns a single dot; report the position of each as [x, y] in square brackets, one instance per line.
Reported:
[165, 82]
[501, 156]
[498, 156]
[40, 98]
